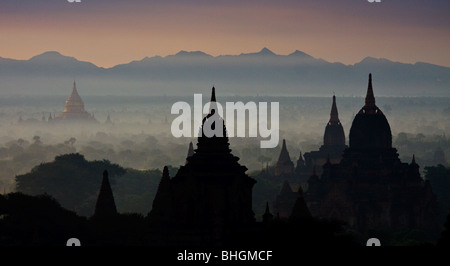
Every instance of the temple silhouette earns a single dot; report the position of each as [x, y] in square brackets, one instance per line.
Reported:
[365, 185]
[370, 187]
[285, 200]
[74, 108]
[284, 166]
[331, 149]
[308, 164]
[211, 192]
[105, 206]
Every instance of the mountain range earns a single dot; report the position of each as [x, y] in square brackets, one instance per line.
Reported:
[186, 73]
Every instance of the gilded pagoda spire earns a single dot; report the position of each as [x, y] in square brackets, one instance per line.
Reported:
[74, 108]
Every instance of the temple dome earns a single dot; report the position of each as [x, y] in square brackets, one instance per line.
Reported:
[370, 128]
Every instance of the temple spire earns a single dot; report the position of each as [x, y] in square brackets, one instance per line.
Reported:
[213, 94]
[213, 101]
[334, 117]
[370, 107]
[160, 212]
[370, 98]
[74, 88]
[267, 207]
[267, 216]
[300, 212]
[165, 177]
[300, 159]
[163, 187]
[190, 151]
[286, 188]
[105, 205]
[284, 164]
[74, 96]
[284, 154]
[328, 162]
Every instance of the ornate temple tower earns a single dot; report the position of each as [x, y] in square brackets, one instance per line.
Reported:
[370, 187]
[210, 192]
[334, 137]
[333, 142]
[332, 148]
[74, 109]
[284, 165]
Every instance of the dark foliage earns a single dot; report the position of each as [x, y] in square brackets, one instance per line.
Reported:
[70, 179]
[37, 220]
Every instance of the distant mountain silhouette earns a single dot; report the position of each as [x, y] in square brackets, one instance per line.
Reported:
[263, 52]
[195, 53]
[300, 53]
[263, 73]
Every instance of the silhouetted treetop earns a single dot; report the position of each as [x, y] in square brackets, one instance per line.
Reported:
[70, 179]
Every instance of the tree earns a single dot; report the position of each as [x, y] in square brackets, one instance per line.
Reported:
[37, 220]
[21, 142]
[37, 140]
[70, 179]
[70, 141]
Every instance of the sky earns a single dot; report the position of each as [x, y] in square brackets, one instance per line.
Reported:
[111, 32]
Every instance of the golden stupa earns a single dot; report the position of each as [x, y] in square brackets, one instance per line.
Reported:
[75, 107]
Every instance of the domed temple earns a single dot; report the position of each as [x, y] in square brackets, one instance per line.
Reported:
[74, 109]
[370, 187]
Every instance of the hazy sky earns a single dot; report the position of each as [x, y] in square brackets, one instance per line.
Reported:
[110, 32]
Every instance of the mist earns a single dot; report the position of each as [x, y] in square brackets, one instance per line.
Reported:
[139, 134]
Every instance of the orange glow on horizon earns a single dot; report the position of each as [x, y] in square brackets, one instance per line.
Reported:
[107, 40]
